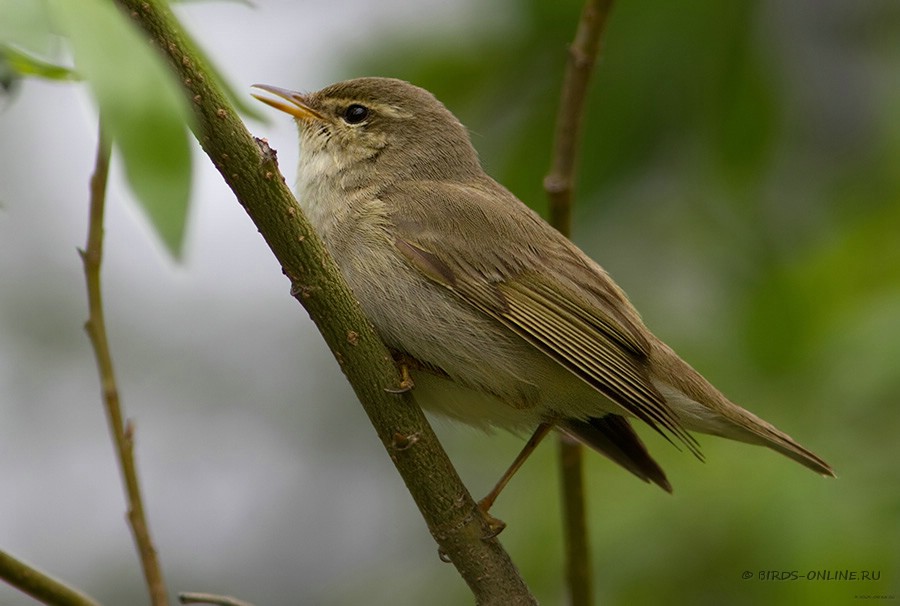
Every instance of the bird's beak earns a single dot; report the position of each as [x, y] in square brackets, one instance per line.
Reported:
[297, 106]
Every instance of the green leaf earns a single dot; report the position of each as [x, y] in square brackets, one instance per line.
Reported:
[26, 65]
[141, 105]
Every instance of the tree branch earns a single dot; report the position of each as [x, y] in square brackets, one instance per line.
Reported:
[250, 169]
[39, 585]
[123, 436]
[559, 184]
[579, 576]
[560, 181]
[209, 598]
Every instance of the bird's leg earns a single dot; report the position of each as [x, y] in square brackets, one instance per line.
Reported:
[496, 526]
[406, 382]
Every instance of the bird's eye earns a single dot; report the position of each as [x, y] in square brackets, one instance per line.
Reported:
[356, 113]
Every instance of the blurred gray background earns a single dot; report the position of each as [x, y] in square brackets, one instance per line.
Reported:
[740, 180]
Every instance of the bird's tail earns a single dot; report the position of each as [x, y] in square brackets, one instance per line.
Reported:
[613, 436]
[701, 407]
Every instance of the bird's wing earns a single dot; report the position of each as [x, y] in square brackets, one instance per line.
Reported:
[536, 283]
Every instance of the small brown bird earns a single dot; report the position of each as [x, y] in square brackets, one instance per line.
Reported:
[499, 319]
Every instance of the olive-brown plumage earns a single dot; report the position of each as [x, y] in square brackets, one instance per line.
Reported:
[501, 319]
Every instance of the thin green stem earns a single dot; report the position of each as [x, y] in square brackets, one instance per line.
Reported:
[209, 598]
[579, 578]
[122, 433]
[39, 585]
[560, 184]
[583, 52]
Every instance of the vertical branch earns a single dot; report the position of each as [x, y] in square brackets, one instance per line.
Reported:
[559, 185]
[123, 435]
[578, 549]
[559, 182]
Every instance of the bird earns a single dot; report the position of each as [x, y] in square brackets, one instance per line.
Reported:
[496, 318]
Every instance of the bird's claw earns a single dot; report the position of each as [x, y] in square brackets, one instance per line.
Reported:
[406, 382]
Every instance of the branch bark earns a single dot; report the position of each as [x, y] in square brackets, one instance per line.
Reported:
[250, 168]
[560, 184]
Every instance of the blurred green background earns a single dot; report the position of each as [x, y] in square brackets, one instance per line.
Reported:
[739, 178]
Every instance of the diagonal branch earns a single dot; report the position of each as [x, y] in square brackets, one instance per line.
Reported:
[123, 435]
[559, 184]
[249, 167]
[39, 585]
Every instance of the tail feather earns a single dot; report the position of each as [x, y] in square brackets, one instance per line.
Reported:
[613, 436]
[758, 431]
[702, 407]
